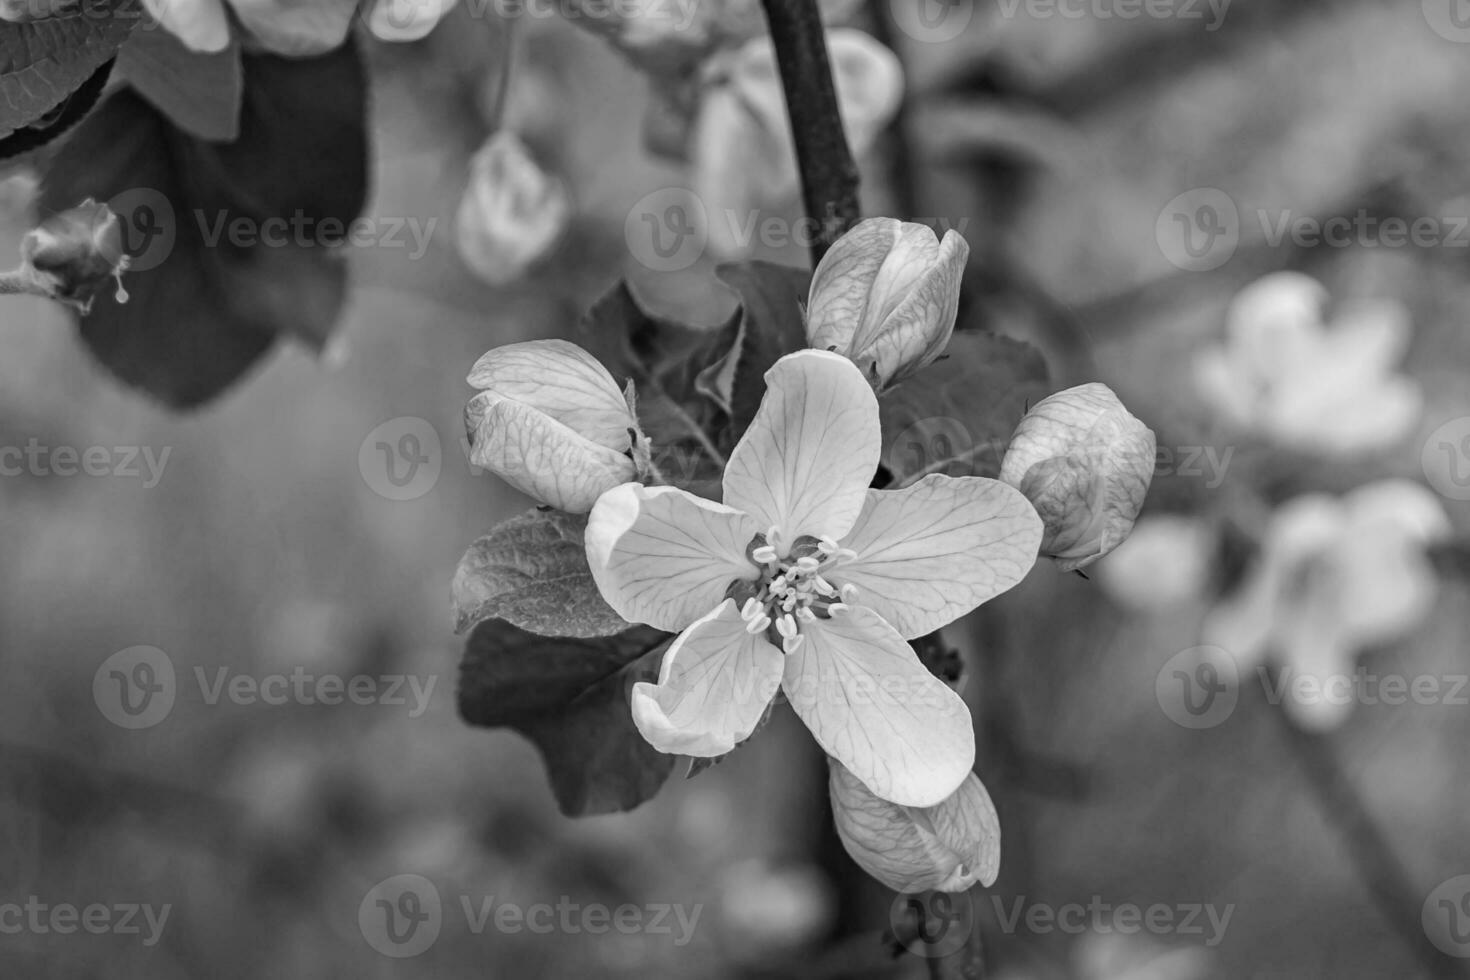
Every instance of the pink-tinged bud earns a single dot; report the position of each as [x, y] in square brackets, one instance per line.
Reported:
[551, 422]
[885, 296]
[1085, 464]
[945, 848]
[512, 212]
[72, 256]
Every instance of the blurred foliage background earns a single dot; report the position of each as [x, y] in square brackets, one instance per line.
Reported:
[264, 548]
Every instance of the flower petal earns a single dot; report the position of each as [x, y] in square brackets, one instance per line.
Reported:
[945, 848]
[931, 552]
[200, 24]
[874, 707]
[561, 380]
[713, 687]
[665, 557]
[541, 457]
[297, 28]
[805, 463]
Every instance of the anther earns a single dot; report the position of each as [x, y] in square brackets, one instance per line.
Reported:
[758, 625]
[793, 643]
[838, 608]
[786, 626]
[849, 592]
[751, 608]
[764, 554]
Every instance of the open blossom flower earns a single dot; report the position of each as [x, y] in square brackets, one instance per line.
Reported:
[512, 212]
[1334, 577]
[807, 581]
[743, 157]
[295, 28]
[1286, 376]
[885, 296]
[948, 847]
[1085, 462]
[551, 422]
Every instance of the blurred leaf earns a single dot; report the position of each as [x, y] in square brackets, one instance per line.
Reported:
[957, 415]
[532, 572]
[204, 308]
[43, 62]
[570, 697]
[199, 93]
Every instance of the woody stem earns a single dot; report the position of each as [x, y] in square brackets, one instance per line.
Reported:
[829, 175]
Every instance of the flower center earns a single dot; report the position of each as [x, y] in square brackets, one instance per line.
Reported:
[792, 589]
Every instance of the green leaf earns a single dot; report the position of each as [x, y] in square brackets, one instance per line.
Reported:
[532, 572]
[42, 62]
[956, 416]
[204, 309]
[570, 698]
[199, 93]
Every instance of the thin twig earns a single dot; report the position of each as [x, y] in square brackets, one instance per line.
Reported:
[1380, 868]
[829, 175]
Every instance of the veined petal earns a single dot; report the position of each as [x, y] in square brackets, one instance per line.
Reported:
[931, 552]
[540, 456]
[945, 848]
[297, 28]
[200, 24]
[805, 463]
[713, 686]
[875, 708]
[563, 381]
[665, 557]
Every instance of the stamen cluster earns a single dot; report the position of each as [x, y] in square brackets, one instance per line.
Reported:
[792, 588]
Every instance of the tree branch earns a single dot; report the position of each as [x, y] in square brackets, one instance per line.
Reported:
[829, 175]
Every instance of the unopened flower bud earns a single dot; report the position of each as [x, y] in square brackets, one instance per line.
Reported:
[512, 212]
[1085, 464]
[551, 422]
[948, 847]
[885, 296]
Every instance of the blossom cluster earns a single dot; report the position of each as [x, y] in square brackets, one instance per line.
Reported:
[803, 579]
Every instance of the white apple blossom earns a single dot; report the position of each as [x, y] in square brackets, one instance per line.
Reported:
[807, 581]
[1286, 376]
[551, 422]
[742, 150]
[885, 296]
[1335, 576]
[1085, 463]
[513, 212]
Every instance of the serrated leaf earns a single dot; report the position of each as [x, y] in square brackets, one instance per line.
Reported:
[199, 92]
[532, 572]
[42, 62]
[956, 416]
[570, 698]
[72, 110]
[205, 309]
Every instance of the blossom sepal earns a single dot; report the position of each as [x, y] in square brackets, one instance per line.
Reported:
[885, 296]
[1085, 463]
[949, 847]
